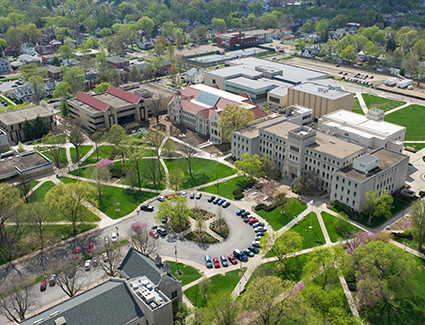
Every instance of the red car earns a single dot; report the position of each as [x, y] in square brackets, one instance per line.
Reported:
[76, 252]
[232, 259]
[90, 249]
[216, 262]
[43, 285]
[167, 196]
[251, 221]
[154, 234]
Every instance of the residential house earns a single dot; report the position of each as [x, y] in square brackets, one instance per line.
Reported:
[4, 66]
[54, 72]
[44, 49]
[28, 48]
[11, 51]
[26, 59]
[23, 93]
[195, 76]
[117, 62]
[91, 79]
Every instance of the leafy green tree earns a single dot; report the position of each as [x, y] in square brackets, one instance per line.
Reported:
[64, 108]
[377, 205]
[74, 77]
[176, 210]
[146, 23]
[306, 183]
[3, 45]
[69, 199]
[372, 52]
[28, 130]
[219, 24]
[66, 52]
[40, 127]
[62, 90]
[134, 74]
[417, 213]
[322, 29]
[270, 167]
[419, 48]
[307, 28]
[251, 19]
[102, 87]
[250, 164]
[117, 136]
[177, 178]
[233, 117]
[201, 33]
[221, 309]
[339, 21]
[348, 53]
[76, 138]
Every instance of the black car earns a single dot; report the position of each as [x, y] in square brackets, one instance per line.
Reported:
[161, 231]
[216, 200]
[211, 199]
[260, 229]
[246, 213]
[240, 255]
[198, 196]
[146, 207]
[226, 204]
[245, 219]
[258, 224]
[260, 234]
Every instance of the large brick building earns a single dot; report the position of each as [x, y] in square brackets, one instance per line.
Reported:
[241, 39]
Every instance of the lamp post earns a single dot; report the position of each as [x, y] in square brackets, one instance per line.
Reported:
[218, 185]
[175, 253]
[311, 214]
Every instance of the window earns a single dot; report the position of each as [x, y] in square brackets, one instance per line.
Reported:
[213, 81]
[174, 294]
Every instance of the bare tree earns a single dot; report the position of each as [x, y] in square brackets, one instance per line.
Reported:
[97, 138]
[189, 151]
[155, 105]
[151, 171]
[70, 279]
[156, 138]
[24, 186]
[141, 240]
[110, 265]
[76, 138]
[39, 218]
[15, 306]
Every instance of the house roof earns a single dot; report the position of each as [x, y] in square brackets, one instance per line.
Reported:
[109, 303]
[92, 101]
[124, 95]
[136, 264]
[116, 59]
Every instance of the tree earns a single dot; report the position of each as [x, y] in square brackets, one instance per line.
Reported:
[251, 19]
[173, 73]
[233, 117]
[322, 27]
[102, 87]
[200, 32]
[260, 298]
[69, 200]
[28, 130]
[115, 257]
[134, 74]
[250, 164]
[160, 45]
[348, 53]
[177, 178]
[69, 279]
[40, 127]
[417, 212]
[204, 286]
[307, 28]
[15, 306]
[328, 264]
[270, 167]
[3, 45]
[39, 218]
[221, 309]
[117, 136]
[155, 105]
[62, 90]
[141, 240]
[384, 275]
[148, 71]
[101, 174]
[76, 138]
[97, 138]
[175, 208]
[66, 52]
[377, 205]
[135, 155]
[339, 21]
[74, 77]
[189, 151]
[372, 52]
[219, 24]
[147, 24]
[31, 70]
[306, 183]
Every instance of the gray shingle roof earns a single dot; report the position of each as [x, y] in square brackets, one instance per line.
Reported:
[98, 305]
[136, 264]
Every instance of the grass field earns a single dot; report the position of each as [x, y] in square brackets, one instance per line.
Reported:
[356, 106]
[340, 231]
[61, 138]
[219, 282]
[117, 202]
[373, 101]
[313, 237]
[416, 146]
[83, 150]
[39, 194]
[226, 188]
[105, 152]
[398, 205]
[412, 118]
[189, 274]
[204, 170]
[276, 219]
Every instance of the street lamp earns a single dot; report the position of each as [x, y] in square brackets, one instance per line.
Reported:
[175, 253]
[311, 214]
[218, 184]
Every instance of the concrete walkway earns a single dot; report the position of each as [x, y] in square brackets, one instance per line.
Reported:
[361, 102]
[397, 108]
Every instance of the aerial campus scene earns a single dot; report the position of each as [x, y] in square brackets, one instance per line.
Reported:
[212, 162]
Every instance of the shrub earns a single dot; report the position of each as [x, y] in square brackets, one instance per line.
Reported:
[239, 196]
[238, 193]
[265, 207]
[421, 193]
[203, 237]
[220, 227]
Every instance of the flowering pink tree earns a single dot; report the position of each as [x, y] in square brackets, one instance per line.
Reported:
[104, 163]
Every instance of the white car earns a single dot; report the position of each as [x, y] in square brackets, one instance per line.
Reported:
[114, 237]
[161, 198]
[87, 265]
[183, 194]
[105, 257]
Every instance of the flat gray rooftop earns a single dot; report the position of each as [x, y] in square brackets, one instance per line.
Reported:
[253, 130]
[20, 115]
[214, 58]
[11, 165]
[320, 90]
[334, 146]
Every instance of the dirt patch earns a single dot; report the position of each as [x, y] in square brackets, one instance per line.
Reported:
[177, 130]
[197, 212]
[402, 224]
[220, 149]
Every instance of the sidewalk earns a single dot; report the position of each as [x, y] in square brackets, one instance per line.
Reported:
[397, 108]
[361, 102]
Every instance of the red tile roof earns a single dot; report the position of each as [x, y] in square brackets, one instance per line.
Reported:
[258, 113]
[124, 95]
[189, 91]
[92, 101]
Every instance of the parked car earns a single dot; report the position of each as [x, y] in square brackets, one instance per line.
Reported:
[105, 257]
[216, 200]
[192, 195]
[256, 243]
[90, 248]
[154, 233]
[146, 207]
[198, 196]
[246, 213]
[216, 262]
[52, 280]
[208, 261]
[245, 219]
[226, 204]
[251, 221]
[240, 255]
[224, 261]
[94, 261]
[261, 234]
[254, 249]
[87, 265]
[258, 224]
[248, 252]
[211, 199]
[232, 259]
[221, 201]
[161, 198]
[164, 219]
[43, 285]
[161, 231]
[75, 252]
[240, 211]
[183, 194]
[114, 237]
[260, 229]
[106, 240]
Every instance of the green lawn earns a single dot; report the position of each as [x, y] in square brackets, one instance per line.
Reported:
[39, 194]
[373, 101]
[313, 237]
[83, 150]
[276, 219]
[219, 282]
[146, 177]
[117, 202]
[189, 274]
[338, 229]
[204, 170]
[226, 188]
[412, 118]
[356, 106]
[63, 161]
[60, 138]
[416, 146]
[105, 152]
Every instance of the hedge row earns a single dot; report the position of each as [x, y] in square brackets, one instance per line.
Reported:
[266, 207]
[238, 193]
